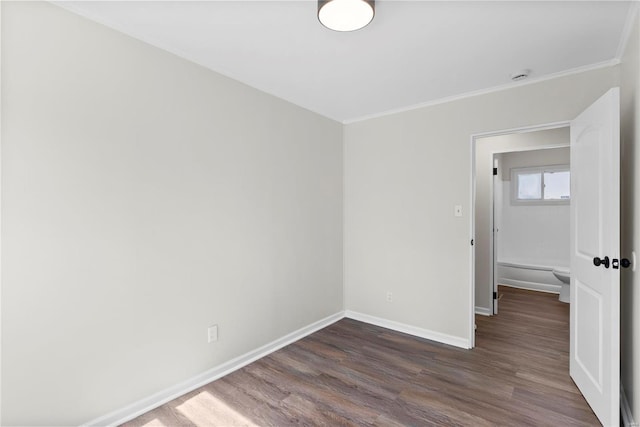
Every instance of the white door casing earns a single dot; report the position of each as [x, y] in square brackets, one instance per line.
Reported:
[595, 232]
[495, 221]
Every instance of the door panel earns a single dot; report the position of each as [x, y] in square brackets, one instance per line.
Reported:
[595, 232]
[589, 243]
[589, 336]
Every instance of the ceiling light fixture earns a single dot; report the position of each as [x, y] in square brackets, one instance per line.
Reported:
[345, 15]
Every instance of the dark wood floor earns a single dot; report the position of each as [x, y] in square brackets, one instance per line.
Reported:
[352, 373]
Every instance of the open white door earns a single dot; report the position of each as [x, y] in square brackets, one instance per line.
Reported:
[595, 250]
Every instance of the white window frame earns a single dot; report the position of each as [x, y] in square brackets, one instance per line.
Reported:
[541, 170]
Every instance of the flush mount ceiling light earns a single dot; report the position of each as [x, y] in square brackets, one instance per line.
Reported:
[345, 15]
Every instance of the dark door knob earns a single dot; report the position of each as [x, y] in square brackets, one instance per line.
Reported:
[597, 262]
[625, 263]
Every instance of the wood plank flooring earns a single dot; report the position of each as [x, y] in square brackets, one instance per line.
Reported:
[355, 374]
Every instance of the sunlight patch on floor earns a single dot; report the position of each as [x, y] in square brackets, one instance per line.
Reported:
[206, 409]
[155, 423]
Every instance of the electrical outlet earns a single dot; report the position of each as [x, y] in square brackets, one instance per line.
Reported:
[212, 333]
[389, 297]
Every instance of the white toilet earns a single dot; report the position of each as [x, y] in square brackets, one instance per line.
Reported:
[563, 274]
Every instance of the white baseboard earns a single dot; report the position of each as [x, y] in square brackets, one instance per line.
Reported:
[483, 311]
[532, 286]
[145, 405]
[408, 329]
[625, 410]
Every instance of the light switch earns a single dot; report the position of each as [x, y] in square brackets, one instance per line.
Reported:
[457, 210]
[212, 333]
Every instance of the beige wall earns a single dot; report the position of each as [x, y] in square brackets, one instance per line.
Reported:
[485, 148]
[403, 175]
[145, 198]
[630, 212]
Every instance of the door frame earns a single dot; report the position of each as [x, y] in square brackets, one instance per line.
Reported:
[494, 235]
[472, 202]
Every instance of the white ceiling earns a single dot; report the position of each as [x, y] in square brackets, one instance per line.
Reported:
[414, 52]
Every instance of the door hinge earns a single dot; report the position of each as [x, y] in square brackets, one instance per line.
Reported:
[495, 171]
[495, 295]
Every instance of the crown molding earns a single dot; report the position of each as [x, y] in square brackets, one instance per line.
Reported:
[578, 70]
[627, 29]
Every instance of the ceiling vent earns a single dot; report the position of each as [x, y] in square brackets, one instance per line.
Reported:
[520, 75]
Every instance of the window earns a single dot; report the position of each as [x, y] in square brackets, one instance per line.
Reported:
[541, 185]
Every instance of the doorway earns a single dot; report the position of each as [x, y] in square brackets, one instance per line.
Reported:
[490, 150]
[594, 247]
